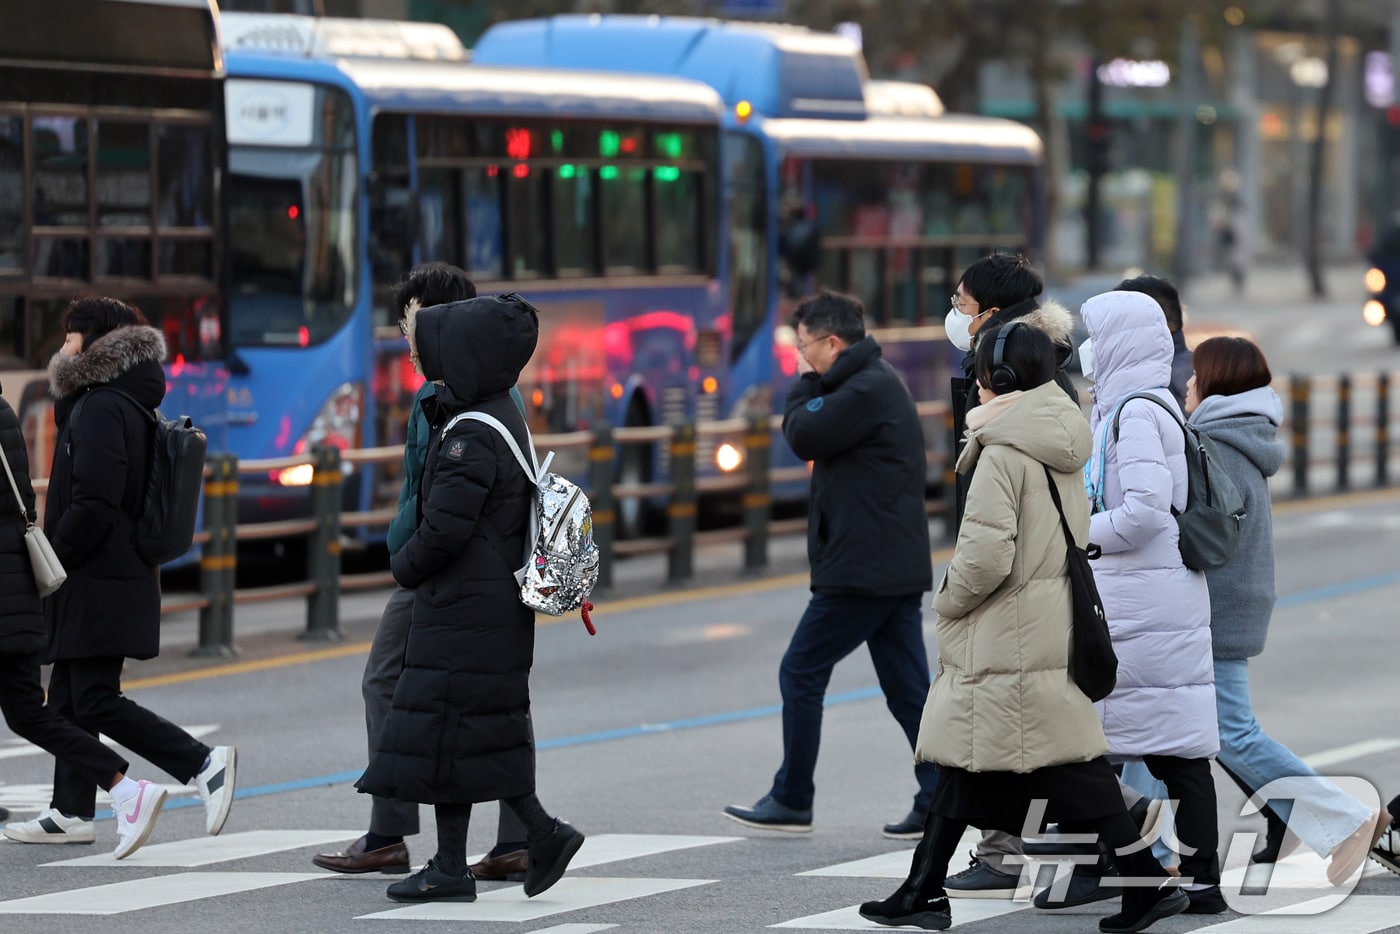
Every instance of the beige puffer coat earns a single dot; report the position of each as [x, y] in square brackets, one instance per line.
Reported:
[1003, 700]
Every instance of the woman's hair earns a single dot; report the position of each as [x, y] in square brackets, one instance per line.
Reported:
[95, 315]
[1226, 366]
[1028, 351]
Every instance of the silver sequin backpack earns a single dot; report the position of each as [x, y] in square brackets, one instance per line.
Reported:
[561, 558]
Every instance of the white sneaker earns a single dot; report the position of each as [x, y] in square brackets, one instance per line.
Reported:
[215, 784]
[52, 827]
[137, 818]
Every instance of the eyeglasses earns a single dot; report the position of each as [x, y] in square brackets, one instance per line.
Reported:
[403, 327]
[958, 302]
[802, 347]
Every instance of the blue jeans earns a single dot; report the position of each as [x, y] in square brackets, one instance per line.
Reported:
[1322, 815]
[832, 628]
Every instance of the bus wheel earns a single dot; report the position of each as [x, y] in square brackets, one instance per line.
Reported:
[636, 516]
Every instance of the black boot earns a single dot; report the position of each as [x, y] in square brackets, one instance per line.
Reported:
[920, 899]
[1143, 907]
[1276, 830]
[906, 907]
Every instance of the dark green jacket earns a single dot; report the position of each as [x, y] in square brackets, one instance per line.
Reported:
[415, 453]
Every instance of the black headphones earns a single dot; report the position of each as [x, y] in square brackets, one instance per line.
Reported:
[1004, 378]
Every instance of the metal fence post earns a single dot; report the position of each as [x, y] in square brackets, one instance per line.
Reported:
[1343, 431]
[1383, 429]
[218, 563]
[323, 551]
[1299, 391]
[681, 511]
[759, 497]
[601, 465]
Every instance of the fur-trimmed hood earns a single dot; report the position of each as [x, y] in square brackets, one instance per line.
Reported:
[410, 330]
[106, 359]
[1054, 319]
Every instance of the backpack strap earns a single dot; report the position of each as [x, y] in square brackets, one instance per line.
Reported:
[78, 406]
[1176, 417]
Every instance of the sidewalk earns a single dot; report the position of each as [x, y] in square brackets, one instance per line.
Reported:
[1276, 285]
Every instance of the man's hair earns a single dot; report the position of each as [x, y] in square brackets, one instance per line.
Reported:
[96, 315]
[832, 313]
[1029, 352]
[433, 284]
[1001, 280]
[1227, 366]
[1161, 291]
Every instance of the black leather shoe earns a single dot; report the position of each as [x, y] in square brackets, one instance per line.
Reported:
[911, 828]
[1085, 886]
[1206, 901]
[505, 867]
[431, 884]
[549, 858]
[356, 859]
[904, 907]
[1168, 902]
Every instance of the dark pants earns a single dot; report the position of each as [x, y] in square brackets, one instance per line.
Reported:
[22, 702]
[88, 693]
[832, 628]
[1190, 784]
[387, 816]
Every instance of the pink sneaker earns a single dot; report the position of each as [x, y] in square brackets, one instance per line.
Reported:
[137, 818]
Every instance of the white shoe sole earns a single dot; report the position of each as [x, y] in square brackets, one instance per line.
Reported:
[1020, 892]
[148, 823]
[20, 836]
[215, 820]
[782, 828]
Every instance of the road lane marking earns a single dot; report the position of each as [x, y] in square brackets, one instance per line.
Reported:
[202, 851]
[1332, 591]
[604, 848]
[569, 894]
[576, 929]
[1358, 914]
[1370, 747]
[891, 865]
[121, 897]
[13, 749]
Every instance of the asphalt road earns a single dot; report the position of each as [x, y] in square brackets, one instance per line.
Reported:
[646, 731]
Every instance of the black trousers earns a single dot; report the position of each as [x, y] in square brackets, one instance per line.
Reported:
[88, 692]
[1190, 784]
[22, 702]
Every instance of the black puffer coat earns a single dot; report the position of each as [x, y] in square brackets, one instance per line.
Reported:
[868, 529]
[459, 728]
[21, 619]
[110, 605]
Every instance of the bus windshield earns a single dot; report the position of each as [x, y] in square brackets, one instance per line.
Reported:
[292, 217]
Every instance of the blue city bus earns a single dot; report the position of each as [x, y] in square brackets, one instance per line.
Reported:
[360, 148]
[112, 155]
[832, 180]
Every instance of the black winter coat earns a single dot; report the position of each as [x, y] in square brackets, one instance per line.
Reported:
[21, 619]
[110, 605]
[459, 731]
[867, 532]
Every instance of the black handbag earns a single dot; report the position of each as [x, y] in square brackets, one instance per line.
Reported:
[1093, 665]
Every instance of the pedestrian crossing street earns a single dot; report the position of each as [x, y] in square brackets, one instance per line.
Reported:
[584, 889]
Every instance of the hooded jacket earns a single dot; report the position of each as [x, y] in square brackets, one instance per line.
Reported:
[21, 619]
[1158, 609]
[110, 605]
[1003, 700]
[458, 731]
[868, 528]
[1245, 430]
[1050, 317]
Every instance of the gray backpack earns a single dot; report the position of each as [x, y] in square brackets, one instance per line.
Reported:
[1214, 514]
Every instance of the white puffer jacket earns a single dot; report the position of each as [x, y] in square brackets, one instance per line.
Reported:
[1158, 609]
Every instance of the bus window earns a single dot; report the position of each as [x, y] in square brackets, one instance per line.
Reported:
[440, 216]
[624, 197]
[11, 204]
[484, 250]
[186, 197]
[11, 307]
[292, 216]
[528, 222]
[575, 210]
[678, 218]
[124, 199]
[390, 201]
[748, 239]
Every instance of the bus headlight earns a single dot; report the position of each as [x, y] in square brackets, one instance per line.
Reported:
[1374, 313]
[1375, 279]
[337, 424]
[728, 458]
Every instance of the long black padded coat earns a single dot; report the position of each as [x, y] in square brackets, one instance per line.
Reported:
[110, 605]
[458, 731]
[21, 619]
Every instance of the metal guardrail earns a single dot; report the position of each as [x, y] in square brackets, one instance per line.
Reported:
[324, 581]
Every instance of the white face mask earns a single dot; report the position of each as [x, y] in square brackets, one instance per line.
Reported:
[1086, 359]
[958, 327]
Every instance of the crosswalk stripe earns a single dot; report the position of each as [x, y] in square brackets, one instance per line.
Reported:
[1359, 914]
[569, 894]
[615, 847]
[891, 865]
[202, 851]
[965, 911]
[14, 748]
[154, 892]
[576, 929]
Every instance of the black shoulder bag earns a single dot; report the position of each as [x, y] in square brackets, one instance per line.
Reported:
[1093, 665]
